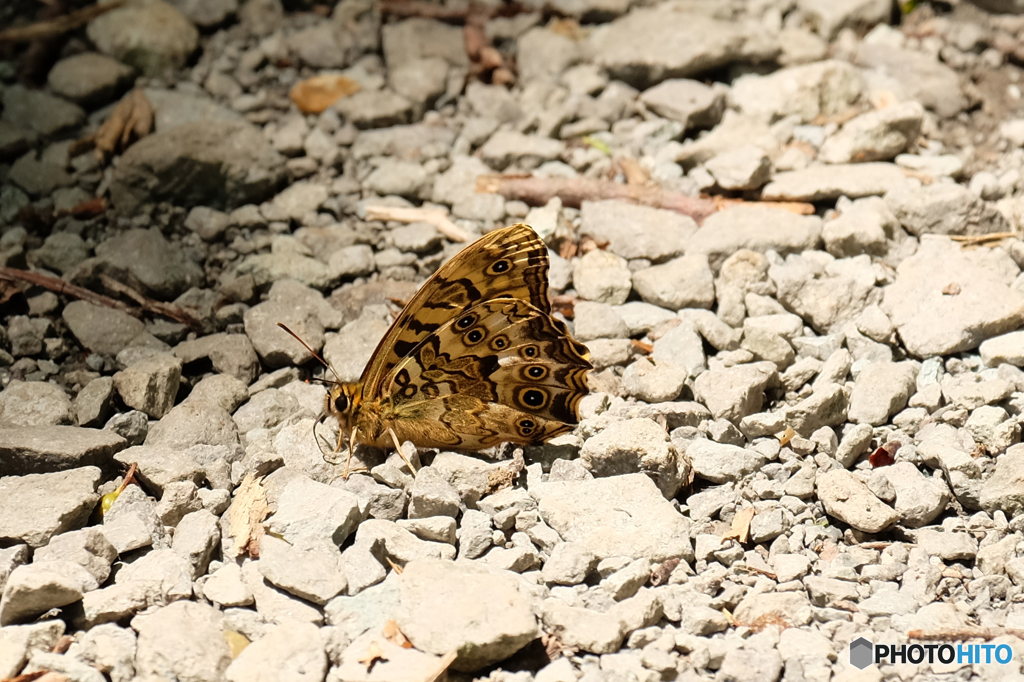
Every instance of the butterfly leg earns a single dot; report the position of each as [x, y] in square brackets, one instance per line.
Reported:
[398, 447]
[351, 451]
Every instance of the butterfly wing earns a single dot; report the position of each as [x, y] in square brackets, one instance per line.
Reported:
[502, 371]
[507, 263]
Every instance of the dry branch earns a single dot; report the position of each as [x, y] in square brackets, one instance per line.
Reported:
[964, 633]
[537, 191]
[438, 217]
[59, 286]
[55, 27]
[169, 310]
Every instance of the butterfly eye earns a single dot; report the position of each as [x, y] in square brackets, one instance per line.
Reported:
[466, 322]
[526, 426]
[533, 398]
[500, 267]
[530, 351]
[475, 336]
[536, 372]
[499, 343]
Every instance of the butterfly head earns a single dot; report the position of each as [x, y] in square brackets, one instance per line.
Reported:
[342, 402]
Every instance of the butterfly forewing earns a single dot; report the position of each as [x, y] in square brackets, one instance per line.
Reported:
[507, 263]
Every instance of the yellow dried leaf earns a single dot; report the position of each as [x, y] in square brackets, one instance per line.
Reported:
[314, 95]
[373, 654]
[394, 635]
[236, 642]
[248, 510]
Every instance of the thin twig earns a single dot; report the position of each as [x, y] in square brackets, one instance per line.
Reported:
[58, 26]
[59, 286]
[964, 633]
[170, 310]
[438, 217]
[978, 239]
[442, 666]
[538, 191]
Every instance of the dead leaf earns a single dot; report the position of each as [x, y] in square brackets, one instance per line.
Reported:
[885, 455]
[314, 95]
[567, 28]
[786, 436]
[373, 654]
[741, 526]
[766, 620]
[566, 305]
[394, 634]
[89, 209]
[130, 121]
[645, 348]
[663, 571]
[499, 479]
[248, 510]
[951, 289]
[236, 642]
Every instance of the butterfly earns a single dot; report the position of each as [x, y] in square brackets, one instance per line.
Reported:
[473, 360]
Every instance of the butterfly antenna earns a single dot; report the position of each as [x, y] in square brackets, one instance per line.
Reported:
[312, 352]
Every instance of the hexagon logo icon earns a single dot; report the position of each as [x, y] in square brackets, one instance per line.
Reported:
[861, 653]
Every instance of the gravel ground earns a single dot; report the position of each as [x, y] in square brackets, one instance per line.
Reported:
[805, 416]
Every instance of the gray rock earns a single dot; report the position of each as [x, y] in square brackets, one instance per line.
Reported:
[88, 548]
[754, 228]
[720, 462]
[173, 108]
[320, 46]
[743, 168]
[653, 383]
[230, 354]
[1004, 489]
[875, 136]
[196, 537]
[684, 282]
[398, 177]
[299, 199]
[151, 37]
[34, 403]
[351, 261]
[453, 606]
[61, 251]
[543, 53]
[734, 392]
[823, 291]
[506, 147]
[979, 304]
[818, 183]
[100, 329]
[690, 102]
[40, 112]
[89, 78]
[865, 226]
[312, 574]
[1007, 348]
[95, 402]
[826, 406]
[416, 142]
[39, 177]
[175, 165]
[421, 82]
[642, 47]
[822, 88]
[408, 40]
[150, 386]
[603, 277]
[41, 449]
[374, 109]
[207, 13]
[390, 541]
[919, 499]
[226, 588]
[133, 426]
[36, 588]
[131, 522]
[432, 495]
[943, 208]
[285, 652]
[850, 501]
[26, 516]
[274, 345]
[312, 515]
[569, 564]
[947, 546]
[636, 445]
[432, 529]
[681, 346]
[194, 422]
[582, 511]
[26, 335]
[167, 634]
[881, 390]
[637, 231]
[915, 75]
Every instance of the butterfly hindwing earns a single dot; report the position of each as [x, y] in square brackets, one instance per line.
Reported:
[513, 363]
[507, 263]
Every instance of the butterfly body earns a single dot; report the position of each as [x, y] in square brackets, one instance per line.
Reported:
[474, 359]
